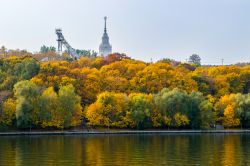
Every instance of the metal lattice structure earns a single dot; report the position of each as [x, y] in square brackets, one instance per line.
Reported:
[63, 43]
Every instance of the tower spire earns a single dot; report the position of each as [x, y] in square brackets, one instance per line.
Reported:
[105, 47]
[105, 27]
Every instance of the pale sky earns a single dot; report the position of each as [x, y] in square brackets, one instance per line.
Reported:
[143, 29]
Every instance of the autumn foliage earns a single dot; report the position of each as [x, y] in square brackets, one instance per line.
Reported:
[119, 92]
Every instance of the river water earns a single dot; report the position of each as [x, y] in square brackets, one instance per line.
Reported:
[164, 149]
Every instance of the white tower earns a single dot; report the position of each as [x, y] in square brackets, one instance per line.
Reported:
[105, 48]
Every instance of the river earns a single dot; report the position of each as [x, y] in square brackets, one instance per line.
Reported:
[150, 149]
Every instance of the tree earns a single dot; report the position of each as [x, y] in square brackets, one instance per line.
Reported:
[89, 83]
[87, 53]
[230, 119]
[7, 115]
[50, 115]
[180, 120]
[69, 106]
[94, 114]
[46, 49]
[109, 110]
[178, 108]
[140, 108]
[60, 110]
[207, 115]
[157, 76]
[27, 110]
[226, 108]
[200, 112]
[152, 78]
[115, 57]
[3, 51]
[195, 59]
[169, 103]
[243, 109]
[15, 69]
[48, 109]
[28, 68]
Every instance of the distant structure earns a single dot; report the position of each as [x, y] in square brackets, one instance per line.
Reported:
[62, 42]
[105, 48]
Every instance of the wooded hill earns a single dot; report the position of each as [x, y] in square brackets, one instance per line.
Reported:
[120, 92]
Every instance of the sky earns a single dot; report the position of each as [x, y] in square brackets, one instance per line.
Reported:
[142, 29]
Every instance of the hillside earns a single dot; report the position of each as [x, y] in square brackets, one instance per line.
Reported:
[120, 92]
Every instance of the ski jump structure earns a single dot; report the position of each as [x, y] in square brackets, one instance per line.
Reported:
[63, 43]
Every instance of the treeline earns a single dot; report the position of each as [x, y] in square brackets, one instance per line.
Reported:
[38, 107]
[117, 91]
[46, 52]
[168, 109]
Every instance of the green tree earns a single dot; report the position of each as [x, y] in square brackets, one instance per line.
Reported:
[50, 115]
[200, 111]
[207, 115]
[195, 59]
[169, 103]
[177, 108]
[87, 53]
[69, 106]
[46, 49]
[28, 68]
[243, 109]
[140, 108]
[13, 70]
[27, 109]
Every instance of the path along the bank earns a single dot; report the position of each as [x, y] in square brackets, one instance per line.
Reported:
[93, 132]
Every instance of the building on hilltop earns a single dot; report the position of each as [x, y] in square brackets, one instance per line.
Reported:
[105, 48]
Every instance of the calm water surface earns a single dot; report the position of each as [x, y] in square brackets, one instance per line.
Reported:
[168, 149]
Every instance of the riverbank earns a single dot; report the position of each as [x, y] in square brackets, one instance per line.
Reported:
[107, 132]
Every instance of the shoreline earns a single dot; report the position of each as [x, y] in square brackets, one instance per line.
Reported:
[121, 132]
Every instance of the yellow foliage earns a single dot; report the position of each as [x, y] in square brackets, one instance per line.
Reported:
[66, 81]
[230, 119]
[37, 81]
[102, 83]
[156, 118]
[94, 114]
[84, 62]
[226, 104]
[180, 119]
[8, 112]
[109, 110]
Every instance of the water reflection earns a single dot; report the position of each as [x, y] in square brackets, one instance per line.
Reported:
[182, 149]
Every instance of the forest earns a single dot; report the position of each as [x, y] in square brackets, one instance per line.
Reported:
[119, 92]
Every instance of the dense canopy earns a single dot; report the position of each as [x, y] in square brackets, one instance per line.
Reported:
[119, 92]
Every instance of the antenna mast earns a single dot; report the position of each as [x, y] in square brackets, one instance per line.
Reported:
[105, 24]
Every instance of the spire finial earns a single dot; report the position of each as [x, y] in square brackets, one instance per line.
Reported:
[105, 28]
